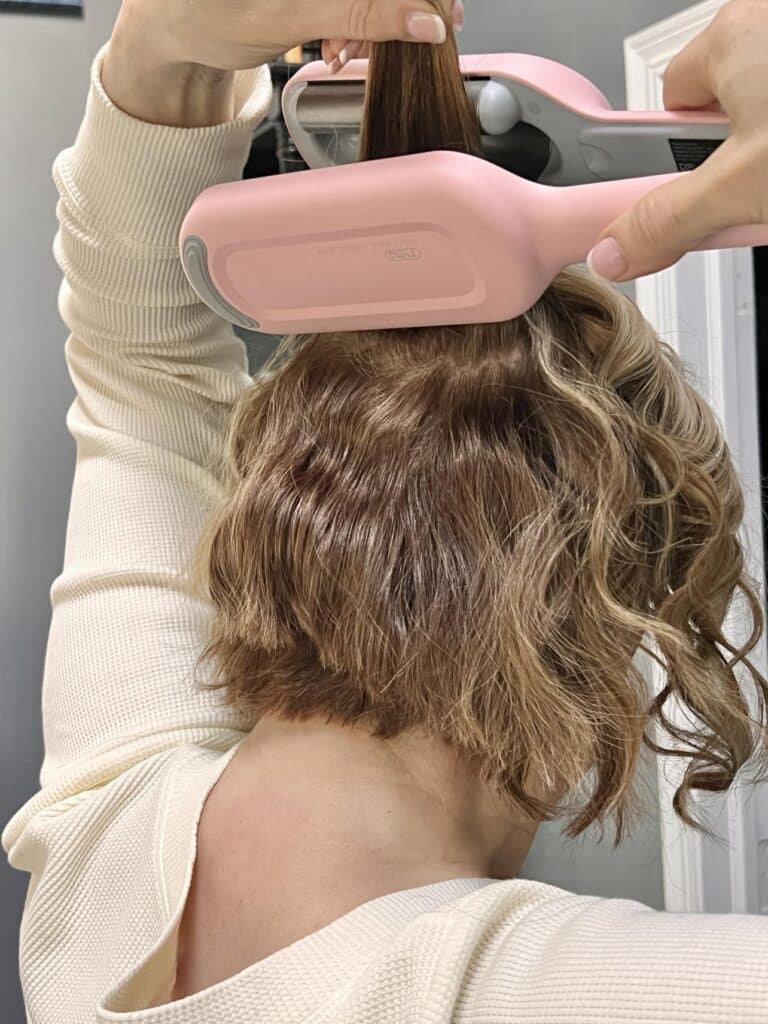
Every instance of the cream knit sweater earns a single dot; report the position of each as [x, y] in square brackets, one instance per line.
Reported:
[132, 747]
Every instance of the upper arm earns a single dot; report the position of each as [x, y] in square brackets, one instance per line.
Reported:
[588, 960]
[127, 625]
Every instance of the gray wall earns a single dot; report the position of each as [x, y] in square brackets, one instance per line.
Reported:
[43, 82]
[44, 64]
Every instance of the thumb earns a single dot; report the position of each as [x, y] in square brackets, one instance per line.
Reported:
[421, 21]
[669, 222]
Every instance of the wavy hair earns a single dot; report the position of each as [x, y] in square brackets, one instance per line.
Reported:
[472, 531]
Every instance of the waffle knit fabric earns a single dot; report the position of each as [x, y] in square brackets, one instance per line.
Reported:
[132, 747]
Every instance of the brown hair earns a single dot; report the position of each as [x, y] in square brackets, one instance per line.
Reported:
[471, 531]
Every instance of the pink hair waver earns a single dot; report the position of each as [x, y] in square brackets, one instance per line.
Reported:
[428, 239]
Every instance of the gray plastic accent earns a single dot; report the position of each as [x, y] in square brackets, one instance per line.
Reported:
[195, 258]
[498, 109]
[324, 122]
[632, 151]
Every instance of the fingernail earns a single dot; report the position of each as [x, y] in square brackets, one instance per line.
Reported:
[335, 65]
[458, 16]
[607, 260]
[351, 51]
[426, 28]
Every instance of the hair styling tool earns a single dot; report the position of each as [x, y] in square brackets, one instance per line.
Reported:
[432, 238]
[539, 119]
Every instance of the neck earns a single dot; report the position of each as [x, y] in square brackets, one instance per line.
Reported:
[405, 812]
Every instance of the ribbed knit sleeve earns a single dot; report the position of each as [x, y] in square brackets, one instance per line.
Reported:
[155, 375]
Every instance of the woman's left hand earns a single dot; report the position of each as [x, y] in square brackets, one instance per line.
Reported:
[336, 52]
[173, 62]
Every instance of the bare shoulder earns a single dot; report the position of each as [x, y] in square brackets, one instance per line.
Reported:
[216, 932]
[245, 900]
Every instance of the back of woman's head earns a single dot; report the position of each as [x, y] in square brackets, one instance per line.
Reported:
[471, 530]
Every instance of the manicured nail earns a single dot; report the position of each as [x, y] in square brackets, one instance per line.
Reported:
[458, 16]
[607, 260]
[426, 28]
[351, 51]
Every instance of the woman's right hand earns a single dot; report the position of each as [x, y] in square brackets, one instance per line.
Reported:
[724, 68]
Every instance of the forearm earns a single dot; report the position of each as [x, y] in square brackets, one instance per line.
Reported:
[142, 80]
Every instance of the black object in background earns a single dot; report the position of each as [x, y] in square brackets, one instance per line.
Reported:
[273, 151]
[262, 160]
[70, 8]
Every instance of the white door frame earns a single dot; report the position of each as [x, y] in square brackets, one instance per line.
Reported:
[705, 308]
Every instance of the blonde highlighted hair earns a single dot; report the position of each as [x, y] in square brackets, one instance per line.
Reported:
[471, 531]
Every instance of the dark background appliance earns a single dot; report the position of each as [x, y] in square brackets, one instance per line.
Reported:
[71, 8]
[273, 151]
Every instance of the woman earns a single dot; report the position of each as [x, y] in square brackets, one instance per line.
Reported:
[429, 558]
